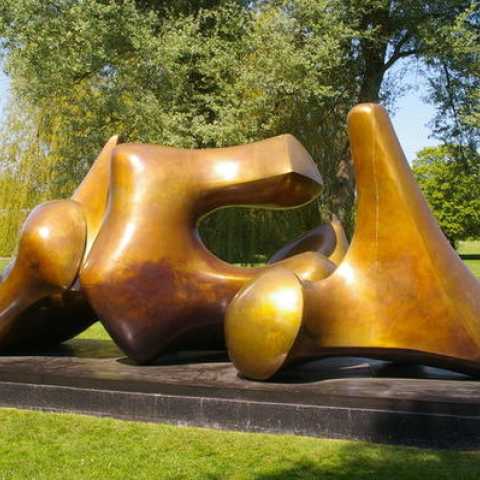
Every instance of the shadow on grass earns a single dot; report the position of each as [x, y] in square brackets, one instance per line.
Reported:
[78, 348]
[364, 461]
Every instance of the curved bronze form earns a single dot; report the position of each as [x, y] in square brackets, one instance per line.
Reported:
[328, 239]
[39, 300]
[401, 292]
[321, 239]
[146, 271]
[48, 260]
[92, 193]
[148, 276]
[341, 243]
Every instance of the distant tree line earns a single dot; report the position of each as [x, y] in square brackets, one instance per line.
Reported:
[211, 73]
[449, 176]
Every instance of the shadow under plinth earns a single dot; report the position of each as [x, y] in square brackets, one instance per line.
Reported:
[353, 398]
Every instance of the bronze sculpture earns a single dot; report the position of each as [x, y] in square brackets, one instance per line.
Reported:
[159, 288]
[125, 249]
[401, 292]
[178, 291]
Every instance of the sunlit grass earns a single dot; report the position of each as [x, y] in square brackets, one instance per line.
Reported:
[469, 247]
[39, 446]
[95, 332]
[474, 266]
[3, 263]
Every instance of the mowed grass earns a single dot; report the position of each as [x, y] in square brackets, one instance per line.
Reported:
[3, 263]
[95, 332]
[474, 266]
[37, 445]
[471, 247]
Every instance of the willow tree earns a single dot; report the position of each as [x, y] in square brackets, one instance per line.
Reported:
[215, 73]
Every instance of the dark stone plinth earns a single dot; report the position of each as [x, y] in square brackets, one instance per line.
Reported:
[336, 398]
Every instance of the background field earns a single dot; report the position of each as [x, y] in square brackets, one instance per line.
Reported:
[471, 247]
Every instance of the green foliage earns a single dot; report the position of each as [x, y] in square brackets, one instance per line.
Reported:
[213, 73]
[450, 179]
[223, 76]
[453, 60]
[27, 177]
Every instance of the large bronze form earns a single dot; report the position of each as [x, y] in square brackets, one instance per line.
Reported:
[140, 262]
[125, 249]
[149, 277]
[40, 303]
[401, 293]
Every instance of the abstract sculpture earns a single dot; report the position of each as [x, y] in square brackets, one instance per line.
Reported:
[140, 263]
[148, 276]
[125, 249]
[401, 293]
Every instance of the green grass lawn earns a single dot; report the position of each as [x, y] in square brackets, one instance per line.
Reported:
[3, 263]
[37, 445]
[474, 266]
[471, 247]
[95, 332]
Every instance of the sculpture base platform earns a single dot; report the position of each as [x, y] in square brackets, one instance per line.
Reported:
[348, 398]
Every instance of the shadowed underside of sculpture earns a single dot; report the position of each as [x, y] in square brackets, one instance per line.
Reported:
[400, 293]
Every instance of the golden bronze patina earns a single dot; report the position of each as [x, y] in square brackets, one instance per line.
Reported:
[329, 240]
[126, 248]
[341, 242]
[40, 303]
[92, 193]
[148, 276]
[401, 292]
[145, 270]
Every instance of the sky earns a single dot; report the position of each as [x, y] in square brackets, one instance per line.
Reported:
[410, 120]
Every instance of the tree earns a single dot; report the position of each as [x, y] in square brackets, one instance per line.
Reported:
[450, 179]
[215, 73]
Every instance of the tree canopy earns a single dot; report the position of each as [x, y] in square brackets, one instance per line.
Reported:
[214, 73]
[450, 180]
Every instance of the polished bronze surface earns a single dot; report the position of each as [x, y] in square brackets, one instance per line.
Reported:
[92, 193]
[148, 276]
[321, 239]
[39, 298]
[263, 322]
[400, 293]
[341, 242]
[146, 271]
[48, 259]
[329, 240]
